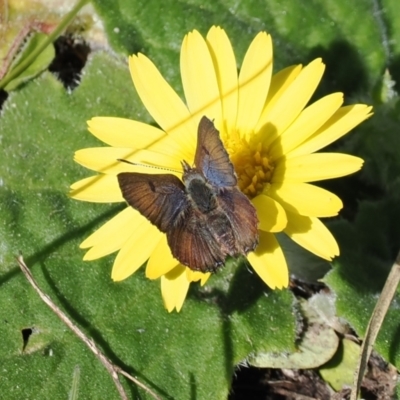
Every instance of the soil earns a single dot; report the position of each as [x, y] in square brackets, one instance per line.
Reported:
[277, 384]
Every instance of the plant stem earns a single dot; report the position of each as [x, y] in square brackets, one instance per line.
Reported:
[375, 323]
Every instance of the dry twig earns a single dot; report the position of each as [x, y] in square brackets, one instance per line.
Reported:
[113, 369]
[375, 324]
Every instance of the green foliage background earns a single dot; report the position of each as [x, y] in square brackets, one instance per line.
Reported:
[191, 354]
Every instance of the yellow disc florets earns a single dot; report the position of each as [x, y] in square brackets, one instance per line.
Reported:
[252, 165]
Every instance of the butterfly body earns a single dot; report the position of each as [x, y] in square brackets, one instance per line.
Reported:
[205, 216]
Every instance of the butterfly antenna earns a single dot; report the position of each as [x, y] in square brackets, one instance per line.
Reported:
[148, 166]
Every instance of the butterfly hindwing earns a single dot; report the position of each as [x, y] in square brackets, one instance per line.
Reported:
[243, 218]
[161, 198]
[192, 243]
[211, 157]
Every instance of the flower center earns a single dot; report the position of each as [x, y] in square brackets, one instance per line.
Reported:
[252, 165]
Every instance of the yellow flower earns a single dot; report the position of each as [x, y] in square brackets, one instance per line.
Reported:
[270, 132]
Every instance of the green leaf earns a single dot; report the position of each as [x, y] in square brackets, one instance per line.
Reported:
[384, 92]
[73, 394]
[174, 354]
[41, 62]
[339, 372]
[303, 264]
[317, 342]
[369, 248]
[355, 58]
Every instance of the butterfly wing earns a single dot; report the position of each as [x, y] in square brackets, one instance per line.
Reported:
[243, 218]
[192, 243]
[211, 157]
[161, 198]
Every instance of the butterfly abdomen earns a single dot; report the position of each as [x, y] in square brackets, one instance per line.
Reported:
[222, 231]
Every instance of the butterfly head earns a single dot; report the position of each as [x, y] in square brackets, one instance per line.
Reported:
[200, 193]
[186, 167]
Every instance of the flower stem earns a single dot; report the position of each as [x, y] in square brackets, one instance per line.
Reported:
[50, 39]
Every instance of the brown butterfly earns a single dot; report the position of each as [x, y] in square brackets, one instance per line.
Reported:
[206, 217]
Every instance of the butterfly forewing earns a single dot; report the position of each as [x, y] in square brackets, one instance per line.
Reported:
[161, 198]
[211, 157]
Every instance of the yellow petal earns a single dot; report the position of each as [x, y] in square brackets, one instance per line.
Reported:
[112, 235]
[104, 159]
[107, 160]
[225, 68]
[254, 81]
[161, 101]
[288, 107]
[271, 215]
[97, 189]
[345, 119]
[136, 250]
[313, 235]
[305, 199]
[194, 276]
[168, 146]
[161, 261]
[279, 84]
[316, 167]
[123, 132]
[310, 119]
[174, 288]
[269, 262]
[198, 78]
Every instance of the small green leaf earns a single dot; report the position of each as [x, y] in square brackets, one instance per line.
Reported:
[385, 91]
[73, 394]
[339, 372]
[317, 344]
[41, 62]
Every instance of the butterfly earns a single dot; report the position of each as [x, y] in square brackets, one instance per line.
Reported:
[205, 216]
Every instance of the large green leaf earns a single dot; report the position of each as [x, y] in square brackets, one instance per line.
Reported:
[369, 248]
[191, 354]
[371, 240]
[175, 354]
[355, 53]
